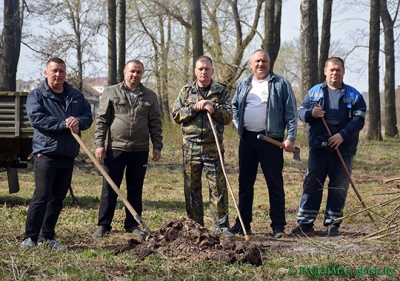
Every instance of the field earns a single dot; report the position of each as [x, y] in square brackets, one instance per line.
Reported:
[360, 254]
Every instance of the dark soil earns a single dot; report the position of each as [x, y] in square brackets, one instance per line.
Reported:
[184, 239]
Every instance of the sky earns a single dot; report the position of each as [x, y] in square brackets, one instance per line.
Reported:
[346, 25]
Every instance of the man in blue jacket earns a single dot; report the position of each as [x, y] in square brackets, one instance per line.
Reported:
[263, 104]
[343, 109]
[54, 109]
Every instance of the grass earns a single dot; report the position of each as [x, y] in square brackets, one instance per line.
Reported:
[89, 259]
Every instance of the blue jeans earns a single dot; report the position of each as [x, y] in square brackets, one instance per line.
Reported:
[114, 164]
[53, 176]
[322, 164]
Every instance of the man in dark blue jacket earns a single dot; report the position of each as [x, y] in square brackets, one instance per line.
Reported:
[54, 109]
[343, 109]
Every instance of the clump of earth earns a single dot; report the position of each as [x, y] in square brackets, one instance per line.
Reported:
[184, 239]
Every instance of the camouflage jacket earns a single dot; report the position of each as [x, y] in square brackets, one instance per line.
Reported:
[195, 125]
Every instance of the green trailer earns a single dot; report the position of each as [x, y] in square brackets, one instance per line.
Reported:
[15, 136]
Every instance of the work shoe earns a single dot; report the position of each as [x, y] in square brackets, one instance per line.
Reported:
[100, 232]
[135, 230]
[27, 243]
[53, 244]
[237, 229]
[278, 232]
[303, 229]
[333, 230]
[225, 232]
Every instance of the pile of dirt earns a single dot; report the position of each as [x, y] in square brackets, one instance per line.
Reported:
[184, 239]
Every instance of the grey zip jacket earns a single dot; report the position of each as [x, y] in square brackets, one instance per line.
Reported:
[128, 126]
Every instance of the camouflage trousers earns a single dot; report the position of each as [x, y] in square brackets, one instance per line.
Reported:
[196, 158]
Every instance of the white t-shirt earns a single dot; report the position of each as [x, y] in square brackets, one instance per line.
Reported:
[256, 106]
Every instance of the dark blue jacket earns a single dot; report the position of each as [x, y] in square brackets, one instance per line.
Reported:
[349, 116]
[47, 116]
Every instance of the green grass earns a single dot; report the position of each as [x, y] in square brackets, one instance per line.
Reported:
[89, 259]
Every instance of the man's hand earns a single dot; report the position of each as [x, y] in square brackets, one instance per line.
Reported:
[335, 140]
[204, 105]
[73, 124]
[100, 154]
[317, 112]
[156, 155]
[289, 146]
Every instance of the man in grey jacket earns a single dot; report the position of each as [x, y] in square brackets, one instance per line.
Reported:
[263, 104]
[128, 115]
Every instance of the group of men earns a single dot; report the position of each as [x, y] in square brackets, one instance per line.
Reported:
[129, 117]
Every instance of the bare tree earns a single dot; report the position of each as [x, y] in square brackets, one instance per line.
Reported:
[374, 128]
[121, 39]
[112, 42]
[10, 44]
[389, 81]
[309, 44]
[197, 30]
[272, 28]
[231, 65]
[70, 32]
[325, 38]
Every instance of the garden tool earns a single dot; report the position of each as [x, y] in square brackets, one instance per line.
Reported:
[345, 168]
[296, 151]
[246, 237]
[111, 182]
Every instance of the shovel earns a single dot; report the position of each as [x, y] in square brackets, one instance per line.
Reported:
[111, 182]
[296, 151]
[246, 237]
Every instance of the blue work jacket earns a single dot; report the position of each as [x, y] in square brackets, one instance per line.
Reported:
[349, 115]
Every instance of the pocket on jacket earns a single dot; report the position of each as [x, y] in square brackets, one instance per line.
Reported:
[121, 106]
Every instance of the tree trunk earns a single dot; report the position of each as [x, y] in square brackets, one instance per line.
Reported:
[374, 128]
[112, 42]
[389, 80]
[197, 31]
[11, 45]
[79, 58]
[165, 47]
[187, 69]
[121, 39]
[325, 39]
[272, 28]
[309, 44]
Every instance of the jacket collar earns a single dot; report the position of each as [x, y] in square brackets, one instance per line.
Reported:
[47, 92]
[250, 78]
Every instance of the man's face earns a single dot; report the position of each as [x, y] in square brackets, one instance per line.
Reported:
[260, 65]
[55, 74]
[204, 72]
[334, 74]
[133, 74]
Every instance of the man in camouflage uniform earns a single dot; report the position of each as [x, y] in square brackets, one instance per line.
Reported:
[199, 147]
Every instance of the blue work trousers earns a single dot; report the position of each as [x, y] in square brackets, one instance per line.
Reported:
[322, 164]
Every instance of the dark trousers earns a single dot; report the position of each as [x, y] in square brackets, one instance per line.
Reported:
[322, 164]
[251, 152]
[53, 176]
[115, 163]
